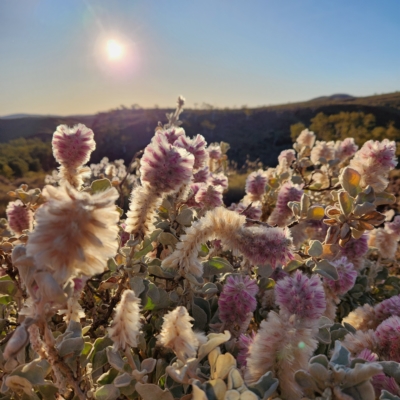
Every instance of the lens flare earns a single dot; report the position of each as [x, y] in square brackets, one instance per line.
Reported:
[114, 49]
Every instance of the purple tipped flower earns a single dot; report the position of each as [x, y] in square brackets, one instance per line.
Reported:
[195, 146]
[347, 276]
[201, 176]
[72, 146]
[165, 168]
[237, 301]
[209, 196]
[214, 151]
[286, 157]
[19, 217]
[262, 245]
[387, 308]
[388, 336]
[345, 149]
[355, 250]
[282, 213]
[255, 183]
[219, 180]
[244, 343]
[172, 134]
[300, 295]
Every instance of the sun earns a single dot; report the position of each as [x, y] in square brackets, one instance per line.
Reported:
[115, 50]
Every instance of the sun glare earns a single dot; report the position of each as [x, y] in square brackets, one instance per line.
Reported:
[114, 50]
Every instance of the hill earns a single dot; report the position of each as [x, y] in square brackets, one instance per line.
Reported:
[257, 132]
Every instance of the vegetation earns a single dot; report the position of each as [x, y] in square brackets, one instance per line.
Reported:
[293, 292]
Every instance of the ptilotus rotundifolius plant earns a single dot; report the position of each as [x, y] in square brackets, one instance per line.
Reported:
[137, 281]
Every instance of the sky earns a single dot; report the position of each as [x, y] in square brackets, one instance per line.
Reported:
[85, 56]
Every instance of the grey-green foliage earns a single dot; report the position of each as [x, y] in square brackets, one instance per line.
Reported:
[335, 378]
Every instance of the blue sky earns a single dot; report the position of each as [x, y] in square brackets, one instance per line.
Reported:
[227, 53]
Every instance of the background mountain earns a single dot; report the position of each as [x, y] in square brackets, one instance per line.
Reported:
[252, 132]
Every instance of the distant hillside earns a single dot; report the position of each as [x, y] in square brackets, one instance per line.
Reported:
[257, 132]
[338, 96]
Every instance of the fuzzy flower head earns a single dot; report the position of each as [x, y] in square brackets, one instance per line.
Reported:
[209, 196]
[286, 157]
[263, 245]
[306, 138]
[374, 161]
[345, 149]
[201, 176]
[394, 226]
[282, 213]
[388, 336]
[347, 277]
[75, 233]
[124, 330]
[214, 151]
[172, 134]
[324, 150]
[72, 146]
[356, 249]
[387, 308]
[300, 295]
[19, 217]
[195, 146]
[165, 168]
[219, 180]
[244, 344]
[238, 299]
[177, 334]
[255, 183]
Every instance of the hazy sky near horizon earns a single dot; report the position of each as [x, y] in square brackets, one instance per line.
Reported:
[55, 56]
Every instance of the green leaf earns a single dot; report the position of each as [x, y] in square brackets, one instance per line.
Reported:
[204, 250]
[158, 271]
[107, 392]
[5, 299]
[123, 380]
[304, 205]
[384, 198]
[364, 208]
[150, 305]
[185, 217]
[112, 265]
[316, 213]
[292, 265]
[108, 377]
[265, 386]
[8, 287]
[100, 185]
[150, 391]
[350, 181]
[167, 238]
[216, 265]
[115, 359]
[340, 356]
[346, 203]
[315, 249]
[146, 249]
[324, 336]
[200, 318]
[326, 269]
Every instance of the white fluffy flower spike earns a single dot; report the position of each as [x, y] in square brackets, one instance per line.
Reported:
[126, 325]
[178, 335]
